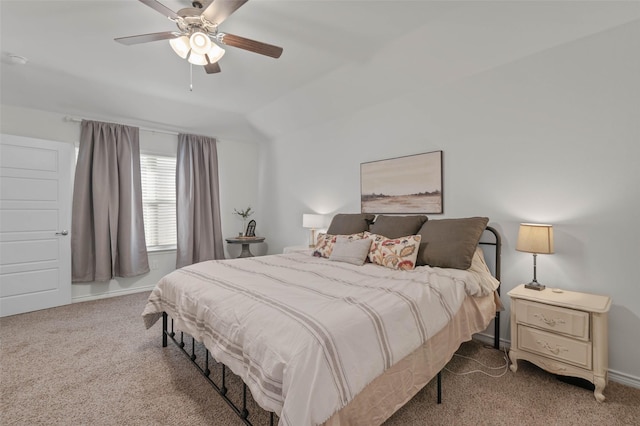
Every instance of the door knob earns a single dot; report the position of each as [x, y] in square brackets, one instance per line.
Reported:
[64, 232]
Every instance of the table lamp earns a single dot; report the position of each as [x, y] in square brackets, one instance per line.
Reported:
[313, 222]
[537, 239]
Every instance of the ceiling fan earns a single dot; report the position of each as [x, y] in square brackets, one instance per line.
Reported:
[198, 33]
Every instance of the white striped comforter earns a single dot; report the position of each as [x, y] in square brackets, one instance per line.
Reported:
[307, 334]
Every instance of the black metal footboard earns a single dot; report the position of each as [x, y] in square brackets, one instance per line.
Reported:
[221, 388]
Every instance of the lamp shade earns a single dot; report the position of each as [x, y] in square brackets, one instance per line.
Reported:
[535, 238]
[200, 42]
[197, 59]
[180, 45]
[312, 221]
[215, 53]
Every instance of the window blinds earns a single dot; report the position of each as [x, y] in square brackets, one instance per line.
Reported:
[158, 176]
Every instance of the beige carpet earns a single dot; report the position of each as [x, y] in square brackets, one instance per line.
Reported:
[93, 363]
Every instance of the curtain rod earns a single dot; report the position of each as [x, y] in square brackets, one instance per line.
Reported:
[146, 129]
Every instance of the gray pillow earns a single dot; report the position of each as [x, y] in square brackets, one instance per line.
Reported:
[350, 223]
[350, 251]
[450, 243]
[397, 226]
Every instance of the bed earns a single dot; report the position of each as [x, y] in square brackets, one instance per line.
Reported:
[318, 340]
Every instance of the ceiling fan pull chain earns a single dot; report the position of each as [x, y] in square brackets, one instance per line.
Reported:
[191, 77]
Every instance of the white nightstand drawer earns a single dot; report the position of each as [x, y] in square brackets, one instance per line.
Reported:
[562, 348]
[553, 318]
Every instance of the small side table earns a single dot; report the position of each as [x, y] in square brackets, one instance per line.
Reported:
[245, 241]
[564, 332]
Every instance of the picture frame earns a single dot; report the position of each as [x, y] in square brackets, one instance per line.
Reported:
[251, 229]
[412, 184]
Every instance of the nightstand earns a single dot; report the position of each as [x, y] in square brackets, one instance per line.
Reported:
[297, 249]
[563, 332]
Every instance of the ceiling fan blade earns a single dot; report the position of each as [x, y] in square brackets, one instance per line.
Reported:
[212, 68]
[219, 10]
[159, 7]
[251, 45]
[145, 38]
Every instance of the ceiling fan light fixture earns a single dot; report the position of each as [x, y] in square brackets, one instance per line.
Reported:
[200, 42]
[180, 45]
[215, 53]
[197, 59]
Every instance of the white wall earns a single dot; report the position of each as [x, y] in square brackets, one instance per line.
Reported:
[552, 137]
[238, 174]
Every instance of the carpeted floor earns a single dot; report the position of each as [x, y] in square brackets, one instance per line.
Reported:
[93, 363]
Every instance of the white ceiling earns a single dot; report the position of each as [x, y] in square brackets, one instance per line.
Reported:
[74, 66]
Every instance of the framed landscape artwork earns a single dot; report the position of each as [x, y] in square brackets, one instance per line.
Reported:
[411, 184]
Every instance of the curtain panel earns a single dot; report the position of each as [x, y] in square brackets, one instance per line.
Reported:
[107, 238]
[199, 230]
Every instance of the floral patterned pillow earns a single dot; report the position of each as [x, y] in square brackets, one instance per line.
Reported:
[394, 253]
[325, 243]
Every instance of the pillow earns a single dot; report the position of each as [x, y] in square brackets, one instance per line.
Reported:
[450, 243]
[325, 243]
[397, 226]
[352, 223]
[350, 251]
[394, 253]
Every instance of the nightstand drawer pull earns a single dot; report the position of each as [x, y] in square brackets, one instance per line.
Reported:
[549, 322]
[548, 347]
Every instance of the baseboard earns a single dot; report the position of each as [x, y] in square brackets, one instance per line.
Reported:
[113, 293]
[614, 376]
[488, 339]
[624, 379]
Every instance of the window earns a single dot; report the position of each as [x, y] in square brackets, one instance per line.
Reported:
[158, 176]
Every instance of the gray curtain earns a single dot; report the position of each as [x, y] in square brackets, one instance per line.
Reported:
[107, 229]
[197, 201]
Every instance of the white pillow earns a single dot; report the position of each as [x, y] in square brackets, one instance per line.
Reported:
[350, 251]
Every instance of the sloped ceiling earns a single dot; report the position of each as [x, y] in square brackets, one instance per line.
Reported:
[338, 56]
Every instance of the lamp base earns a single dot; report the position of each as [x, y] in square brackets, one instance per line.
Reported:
[312, 241]
[534, 285]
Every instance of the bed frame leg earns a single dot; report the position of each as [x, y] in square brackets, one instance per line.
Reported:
[164, 329]
[223, 389]
[207, 372]
[496, 332]
[245, 412]
[271, 418]
[440, 387]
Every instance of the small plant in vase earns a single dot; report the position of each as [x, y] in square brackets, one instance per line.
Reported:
[244, 214]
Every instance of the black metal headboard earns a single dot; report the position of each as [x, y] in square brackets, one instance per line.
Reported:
[497, 244]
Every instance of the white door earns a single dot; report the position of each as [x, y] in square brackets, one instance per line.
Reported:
[35, 218]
